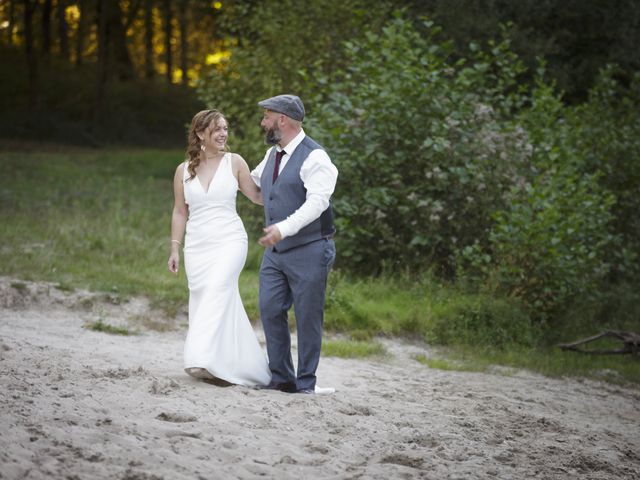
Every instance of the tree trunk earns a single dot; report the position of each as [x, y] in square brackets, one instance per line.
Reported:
[12, 21]
[184, 47]
[133, 13]
[168, 35]
[630, 343]
[117, 39]
[82, 27]
[103, 12]
[113, 54]
[46, 30]
[63, 29]
[149, 70]
[30, 7]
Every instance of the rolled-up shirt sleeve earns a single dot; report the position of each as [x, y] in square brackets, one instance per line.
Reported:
[319, 176]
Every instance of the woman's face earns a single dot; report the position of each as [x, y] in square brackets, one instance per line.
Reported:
[216, 134]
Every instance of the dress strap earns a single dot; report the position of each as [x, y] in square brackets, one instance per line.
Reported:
[229, 156]
[228, 162]
[185, 171]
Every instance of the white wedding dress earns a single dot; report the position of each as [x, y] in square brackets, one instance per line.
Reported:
[220, 337]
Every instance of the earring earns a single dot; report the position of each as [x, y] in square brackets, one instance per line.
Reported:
[202, 147]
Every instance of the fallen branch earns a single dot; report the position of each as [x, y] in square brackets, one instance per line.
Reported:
[630, 344]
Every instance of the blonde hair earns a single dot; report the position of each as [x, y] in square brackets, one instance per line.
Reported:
[199, 124]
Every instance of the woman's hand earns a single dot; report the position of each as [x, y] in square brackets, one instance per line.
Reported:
[174, 262]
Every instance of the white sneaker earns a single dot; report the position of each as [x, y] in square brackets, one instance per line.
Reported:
[325, 390]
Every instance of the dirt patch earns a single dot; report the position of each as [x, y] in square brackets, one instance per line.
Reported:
[83, 404]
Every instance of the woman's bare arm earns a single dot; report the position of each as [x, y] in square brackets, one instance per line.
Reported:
[246, 184]
[178, 219]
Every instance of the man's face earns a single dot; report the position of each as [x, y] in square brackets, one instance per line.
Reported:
[269, 123]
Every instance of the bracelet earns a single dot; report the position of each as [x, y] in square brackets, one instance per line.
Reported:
[177, 241]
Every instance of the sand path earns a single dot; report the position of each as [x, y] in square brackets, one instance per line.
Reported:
[78, 404]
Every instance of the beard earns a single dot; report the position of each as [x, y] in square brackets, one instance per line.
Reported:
[272, 135]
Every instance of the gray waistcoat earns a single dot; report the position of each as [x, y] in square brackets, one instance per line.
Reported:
[287, 194]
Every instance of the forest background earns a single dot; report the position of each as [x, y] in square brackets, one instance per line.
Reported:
[489, 156]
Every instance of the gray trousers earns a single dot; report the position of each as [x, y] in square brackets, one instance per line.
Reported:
[299, 277]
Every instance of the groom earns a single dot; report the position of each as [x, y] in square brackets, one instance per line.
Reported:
[297, 180]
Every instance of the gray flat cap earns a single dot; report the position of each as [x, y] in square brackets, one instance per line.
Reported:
[289, 105]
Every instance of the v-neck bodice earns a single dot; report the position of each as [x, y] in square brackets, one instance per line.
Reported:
[213, 208]
[215, 172]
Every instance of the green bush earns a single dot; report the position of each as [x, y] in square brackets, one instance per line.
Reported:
[615, 307]
[554, 241]
[451, 166]
[423, 149]
[606, 133]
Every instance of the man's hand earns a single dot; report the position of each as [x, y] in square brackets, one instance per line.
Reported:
[271, 237]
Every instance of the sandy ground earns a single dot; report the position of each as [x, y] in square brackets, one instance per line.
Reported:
[79, 404]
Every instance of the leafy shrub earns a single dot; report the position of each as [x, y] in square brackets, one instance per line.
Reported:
[552, 241]
[605, 131]
[421, 145]
[451, 164]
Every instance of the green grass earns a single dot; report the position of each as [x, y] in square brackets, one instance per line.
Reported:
[100, 219]
[352, 349]
[101, 326]
[553, 362]
[20, 286]
[63, 287]
[423, 308]
[97, 219]
[478, 330]
[548, 361]
[451, 364]
[89, 219]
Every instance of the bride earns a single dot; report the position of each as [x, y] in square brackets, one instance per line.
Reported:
[220, 343]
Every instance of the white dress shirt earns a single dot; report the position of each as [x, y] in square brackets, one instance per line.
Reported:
[318, 176]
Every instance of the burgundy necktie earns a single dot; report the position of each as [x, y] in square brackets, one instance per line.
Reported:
[276, 169]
